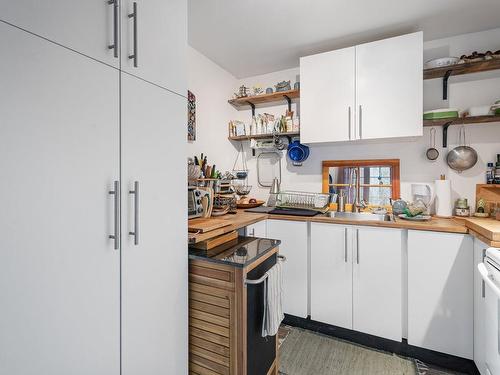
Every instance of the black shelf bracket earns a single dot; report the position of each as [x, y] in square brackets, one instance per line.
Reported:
[253, 108]
[445, 133]
[445, 84]
[289, 101]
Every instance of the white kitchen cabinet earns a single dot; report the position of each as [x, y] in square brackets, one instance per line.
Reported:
[440, 292]
[479, 308]
[294, 246]
[59, 271]
[389, 87]
[327, 103]
[160, 38]
[258, 229]
[331, 274]
[369, 91]
[84, 26]
[377, 284]
[154, 265]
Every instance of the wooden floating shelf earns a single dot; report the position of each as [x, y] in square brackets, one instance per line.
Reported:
[465, 68]
[264, 99]
[462, 120]
[262, 136]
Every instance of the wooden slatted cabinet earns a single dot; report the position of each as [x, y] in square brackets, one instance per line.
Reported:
[218, 318]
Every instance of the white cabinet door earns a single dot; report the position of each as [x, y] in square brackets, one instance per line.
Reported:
[59, 272]
[258, 229]
[479, 308]
[84, 26]
[154, 271]
[389, 87]
[440, 292]
[160, 40]
[327, 96]
[377, 282]
[331, 274]
[293, 236]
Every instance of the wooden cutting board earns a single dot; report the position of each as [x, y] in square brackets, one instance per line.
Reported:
[214, 242]
[203, 225]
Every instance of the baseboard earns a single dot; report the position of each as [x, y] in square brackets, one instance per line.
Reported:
[401, 348]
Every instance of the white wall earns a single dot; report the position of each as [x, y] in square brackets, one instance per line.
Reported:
[482, 88]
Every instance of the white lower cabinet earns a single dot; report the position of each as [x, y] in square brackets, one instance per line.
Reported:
[294, 246]
[440, 292]
[356, 278]
[258, 229]
[331, 274]
[479, 308]
[377, 282]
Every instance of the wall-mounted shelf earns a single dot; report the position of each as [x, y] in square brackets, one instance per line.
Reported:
[265, 100]
[460, 69]
[262, 136]
[445, 123]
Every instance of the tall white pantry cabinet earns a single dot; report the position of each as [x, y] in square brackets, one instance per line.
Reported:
[93, 262]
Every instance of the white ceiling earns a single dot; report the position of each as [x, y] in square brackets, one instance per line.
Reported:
[251, 37]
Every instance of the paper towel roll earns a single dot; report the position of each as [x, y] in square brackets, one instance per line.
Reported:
[443, 198]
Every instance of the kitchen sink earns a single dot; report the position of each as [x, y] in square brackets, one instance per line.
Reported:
[360, 216]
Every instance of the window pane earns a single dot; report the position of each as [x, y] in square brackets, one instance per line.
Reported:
[377, 196]
[378, 175]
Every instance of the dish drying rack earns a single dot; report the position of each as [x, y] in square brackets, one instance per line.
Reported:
[303, 200]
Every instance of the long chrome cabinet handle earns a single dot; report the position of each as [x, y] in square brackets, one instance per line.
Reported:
[135, 233]
[357, 246]
[116, 194]
[360, 122]
[345, 245]
[349, 117]
[114, 46]
[483, 284]
[134, 16]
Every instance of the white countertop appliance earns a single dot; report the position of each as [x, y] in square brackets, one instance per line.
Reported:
[490, 272]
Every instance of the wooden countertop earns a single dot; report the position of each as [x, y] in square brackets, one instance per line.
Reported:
[435, 224]
[485, 229]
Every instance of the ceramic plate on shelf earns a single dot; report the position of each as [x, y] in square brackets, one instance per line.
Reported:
[415, 218]
[443, 61]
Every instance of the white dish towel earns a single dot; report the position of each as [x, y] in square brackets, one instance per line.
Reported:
[273, 300]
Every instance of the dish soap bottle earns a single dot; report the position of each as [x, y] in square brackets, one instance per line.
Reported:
[490, 173]
[496, 179]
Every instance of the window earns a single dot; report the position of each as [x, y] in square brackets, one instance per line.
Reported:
[372, 181]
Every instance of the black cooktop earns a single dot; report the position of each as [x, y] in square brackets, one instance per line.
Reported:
[239, 253]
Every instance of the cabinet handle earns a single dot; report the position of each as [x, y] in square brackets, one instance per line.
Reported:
[114, 46]
[345, 245]
[483, 284]
[116, 200]
[134, 16]
[357, 246]
[135, 233]
[360, 122]
[349, 117]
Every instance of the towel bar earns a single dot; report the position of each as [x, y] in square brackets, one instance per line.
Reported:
[282, 258]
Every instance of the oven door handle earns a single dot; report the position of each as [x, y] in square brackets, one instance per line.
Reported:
[487, 279]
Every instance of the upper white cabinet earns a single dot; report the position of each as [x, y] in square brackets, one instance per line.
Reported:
[59, 271]
[294, 246]
[389, 87]
[353, 269]
[154, 34]
[377, 282]
[372, 90]
[440, 292]
[327, 103]
[86, 26]
[331, 274]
